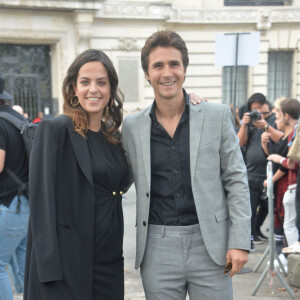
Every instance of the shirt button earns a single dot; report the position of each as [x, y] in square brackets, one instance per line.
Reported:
[177, 195]
[147, 195]
[175, 171]
[173, 147]
[144, 223]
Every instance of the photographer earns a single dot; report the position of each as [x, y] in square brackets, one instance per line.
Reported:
[254, 123]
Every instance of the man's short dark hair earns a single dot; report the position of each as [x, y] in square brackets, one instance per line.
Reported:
[291, 107]
[242, 110]
[164, 38]
[257, 97]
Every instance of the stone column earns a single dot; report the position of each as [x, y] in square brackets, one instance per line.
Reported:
[84, 21]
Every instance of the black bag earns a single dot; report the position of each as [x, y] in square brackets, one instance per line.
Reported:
[27, 131]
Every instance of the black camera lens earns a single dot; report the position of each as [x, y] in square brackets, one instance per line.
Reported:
[254, 115]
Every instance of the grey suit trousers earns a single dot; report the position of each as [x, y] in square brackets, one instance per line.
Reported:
[176, 262]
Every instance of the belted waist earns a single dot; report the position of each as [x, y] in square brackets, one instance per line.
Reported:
[173, 230]
[106, 191]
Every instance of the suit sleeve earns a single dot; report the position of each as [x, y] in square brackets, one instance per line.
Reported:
[125, 147]
[42, 182]
[235, 184]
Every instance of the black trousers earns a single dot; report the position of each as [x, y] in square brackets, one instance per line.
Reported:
[256, 189]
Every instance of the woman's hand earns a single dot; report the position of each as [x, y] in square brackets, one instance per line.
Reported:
[195, 99]
[275, 158]
[265, 138]
[265, 183]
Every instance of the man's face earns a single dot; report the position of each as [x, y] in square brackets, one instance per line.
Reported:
[166, 72]
[256, 106]
[280, 120]
[262, 108]
[265, 111]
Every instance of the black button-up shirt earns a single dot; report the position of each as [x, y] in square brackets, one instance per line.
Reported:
[172, 201]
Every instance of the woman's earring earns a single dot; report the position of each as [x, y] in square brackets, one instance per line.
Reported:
[72, 99]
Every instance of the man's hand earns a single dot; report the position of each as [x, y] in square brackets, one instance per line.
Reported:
[275, 158]
[238, 258]
[260, 124]
[246, 119]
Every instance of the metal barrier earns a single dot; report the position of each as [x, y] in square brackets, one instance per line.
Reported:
[271, 248]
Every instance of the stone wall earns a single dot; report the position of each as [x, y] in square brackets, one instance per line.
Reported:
[121, 27]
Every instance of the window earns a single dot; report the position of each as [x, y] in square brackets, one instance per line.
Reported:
[241, 85]
[257, 2]
[279, 74]
[128, 78]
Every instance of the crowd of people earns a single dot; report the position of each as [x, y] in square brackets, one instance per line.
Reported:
[192, 182]
[266, 133]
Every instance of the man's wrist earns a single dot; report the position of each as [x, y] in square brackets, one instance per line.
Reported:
[267, 127]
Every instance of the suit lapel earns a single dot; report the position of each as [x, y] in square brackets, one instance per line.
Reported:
[196, 122]
[81, 153]
[145, 139]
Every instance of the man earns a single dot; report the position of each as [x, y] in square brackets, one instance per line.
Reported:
[14, 210]
[256, 161]
[193, 210]
[290, 112]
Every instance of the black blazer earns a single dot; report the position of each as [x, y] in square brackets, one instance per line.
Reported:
[59, 258]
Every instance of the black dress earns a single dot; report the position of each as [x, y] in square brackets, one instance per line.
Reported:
[110, 173]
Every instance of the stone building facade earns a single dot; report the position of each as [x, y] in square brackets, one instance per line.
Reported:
[40, 38]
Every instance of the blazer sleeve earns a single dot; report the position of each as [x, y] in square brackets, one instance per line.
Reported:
[235, 184]
[42, 182]
[125, 148]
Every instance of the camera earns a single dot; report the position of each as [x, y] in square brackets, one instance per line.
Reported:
[254, 115]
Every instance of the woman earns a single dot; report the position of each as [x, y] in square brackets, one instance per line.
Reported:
[280, 176]
[78, 173]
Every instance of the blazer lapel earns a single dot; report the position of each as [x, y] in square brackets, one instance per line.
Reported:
[81, 153]
[145, 137]
[196, 121]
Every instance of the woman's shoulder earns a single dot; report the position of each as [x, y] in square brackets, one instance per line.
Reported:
[56, 121]
[55, 124]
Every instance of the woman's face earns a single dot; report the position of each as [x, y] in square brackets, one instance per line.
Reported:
[93, 88]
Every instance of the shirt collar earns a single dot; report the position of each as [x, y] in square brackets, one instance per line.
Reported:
[185, 112]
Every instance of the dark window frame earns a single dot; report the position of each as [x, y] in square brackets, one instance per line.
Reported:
[280, 74]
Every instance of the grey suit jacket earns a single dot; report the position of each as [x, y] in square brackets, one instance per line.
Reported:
[218, 178]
